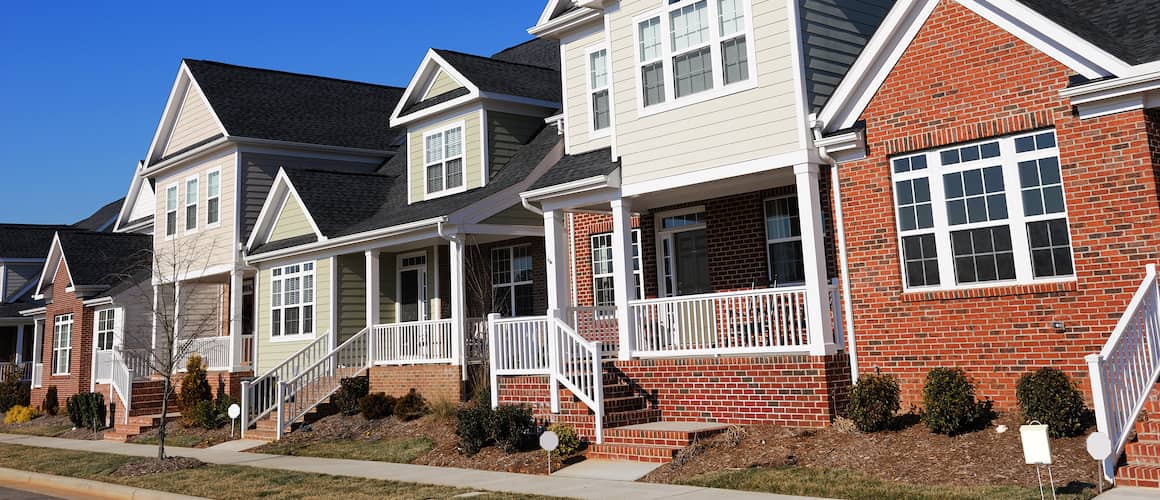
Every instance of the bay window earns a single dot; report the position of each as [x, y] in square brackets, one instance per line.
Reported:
[511, 281]
[292, 301]
[443, 153]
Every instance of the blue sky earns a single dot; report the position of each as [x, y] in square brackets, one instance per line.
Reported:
[83, 84]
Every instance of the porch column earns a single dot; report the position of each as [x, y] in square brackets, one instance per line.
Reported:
[236, 305]
[37, 348]
[372, 292]
[821, 337]
[19, 344]
[177, 323]
[556, 251]
[622, 282]
[156, 311]
[458, 302]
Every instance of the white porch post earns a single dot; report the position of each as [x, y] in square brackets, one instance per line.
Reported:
[19, 344]
[458, 302]
[236, 305]
[814, 255]
[372, 292]
[556, 252]
[176, 334]
[622, 283]
[156, 311]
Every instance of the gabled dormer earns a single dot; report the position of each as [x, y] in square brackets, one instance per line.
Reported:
[467, 115]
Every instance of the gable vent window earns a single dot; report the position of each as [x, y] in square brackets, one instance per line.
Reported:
[598, 89]
[983, 214]
[443, 151]
[213, 197]
[171, 211]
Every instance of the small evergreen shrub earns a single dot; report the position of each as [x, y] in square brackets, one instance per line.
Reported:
[874, 401]
[377, 405]
[51, 403]
[20, 414]
[950, 408]
[348, 398]
[569, 440]
[514, 426]
[194, 389]
[204, 414]
[86, 410]
[1047, 395]
[411, 406]
[13, 392]
[475, 426]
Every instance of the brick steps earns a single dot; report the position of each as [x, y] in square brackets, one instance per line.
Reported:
[136, 425]
[1143, 454]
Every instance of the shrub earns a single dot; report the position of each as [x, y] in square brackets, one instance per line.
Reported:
[411, 406]
[514, 426]
[86, 410]
[949, 403]
[20, 414]
[475, 426]
[377, 405]
[204, 414]
[194, 388]
[13, 392]
[873, 402]
[1047, 395]
[350, 393]
[569, 440]
[443, 409]
[51, 403]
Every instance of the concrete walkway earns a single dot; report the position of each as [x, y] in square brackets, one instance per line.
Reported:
[444, 476]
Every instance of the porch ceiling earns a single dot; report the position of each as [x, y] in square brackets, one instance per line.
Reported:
[714, 189]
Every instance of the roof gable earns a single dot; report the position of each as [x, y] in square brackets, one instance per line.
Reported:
[441, 84]
[292, 221]
[283, 215]
[202, 123]
[138, 205]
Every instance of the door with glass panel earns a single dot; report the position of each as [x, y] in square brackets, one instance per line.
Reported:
[104, 342]
[412, 306]
[684, 262]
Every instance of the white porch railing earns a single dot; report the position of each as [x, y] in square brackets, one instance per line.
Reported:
[259, 396]
[37, 374]
[410, 343]
[1127, 368]
[517, 346]
[25, 369]
[597, 324]
[577, 365]
[298, 395]
[121, 377]
[214, 351]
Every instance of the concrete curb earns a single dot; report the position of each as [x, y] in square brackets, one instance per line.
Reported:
[60, 485]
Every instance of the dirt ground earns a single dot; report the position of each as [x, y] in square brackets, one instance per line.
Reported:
[910, 455]
[179, 435]
[52, 426]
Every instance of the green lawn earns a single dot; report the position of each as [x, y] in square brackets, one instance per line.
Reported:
[850, 485]
[402, 451]
[46, 431]
[221, 481]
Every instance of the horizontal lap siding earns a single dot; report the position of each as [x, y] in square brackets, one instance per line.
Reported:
[202, 310]
[442, 85]
[578, 108]
[208, 247]
[472, 153]
[292, 221]
[194, 124]
[351, 300]
[506, 134]
[271, 353]
[18, 277]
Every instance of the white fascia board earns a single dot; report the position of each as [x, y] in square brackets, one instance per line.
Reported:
[99, 301]
[348, 240]
[130, 198]
[173, 107]
[558, 26]
[568, 188]
[55, 256]
[37, 311]
[432, 62]
[280, 193]
[1115, 95]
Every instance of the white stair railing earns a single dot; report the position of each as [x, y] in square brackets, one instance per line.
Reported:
[259, 396]
[121, 378]
[577, 365]
[301, 393]
[1126, 369]
[597, 323]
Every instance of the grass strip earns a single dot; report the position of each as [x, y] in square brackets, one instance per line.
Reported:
[400, 451]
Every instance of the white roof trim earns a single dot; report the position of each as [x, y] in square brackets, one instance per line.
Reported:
[280, 192]
[55, 257]
[554, 27]
[429, 69]
[173, 104]
[123, 217]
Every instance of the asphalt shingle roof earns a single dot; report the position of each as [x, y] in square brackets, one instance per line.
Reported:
[575, 167]
[541, 52]
[292, 107]
[105, 258]
[103, 218]
[1126, 29]
[27, 241]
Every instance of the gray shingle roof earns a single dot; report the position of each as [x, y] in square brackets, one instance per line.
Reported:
[27, 241]
[541, 52]
[105, 258]
[504, 77]
[103, 218]
[575, 167]
[1126, 29]
[281, 106]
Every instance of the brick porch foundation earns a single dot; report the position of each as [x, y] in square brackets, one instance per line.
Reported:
[433, 382]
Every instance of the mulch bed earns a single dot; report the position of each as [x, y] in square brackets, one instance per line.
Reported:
[910, 455]
[205, 437]
[46, 425]
[154, 466]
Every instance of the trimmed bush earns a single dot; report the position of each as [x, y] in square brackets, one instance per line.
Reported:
[203, 414]
[194, 389]
[377, 405]
[13, 392]
[411, 406]
[950, 408]
[51, 403]
[20, 414]
[874, 401]
[348, 398]
[1047, 395]
[475, 426]
[86, 410]
[569, 440]
[514, 427]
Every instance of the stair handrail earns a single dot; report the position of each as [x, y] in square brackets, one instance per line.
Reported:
[577, 364]
[258, 395]
[122, 381]
[1124, 372]
[297, 396]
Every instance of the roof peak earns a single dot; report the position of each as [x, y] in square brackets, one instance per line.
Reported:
[493, 59]
[292, 73]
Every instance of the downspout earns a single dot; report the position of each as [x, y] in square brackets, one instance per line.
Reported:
[531, 208]
[843, 261]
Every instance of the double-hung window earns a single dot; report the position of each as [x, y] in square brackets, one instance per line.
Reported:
[598, 89]
[511, 281]
[191, 196]
[62, 344]
[171, 211]
[213, 197]
[106, 329]
[292, 300]
[443, 154]
[603, 293]
[990, 212]
[783, 234]
[691, 47]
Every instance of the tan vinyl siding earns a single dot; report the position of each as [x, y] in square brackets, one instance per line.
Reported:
[201, 310]
[195, 123]
[207, 247]
[516, 215]
[270, 353]
[291, 222]
[472, 147]
[443, 84]
[506, 133]
[578, 107]
[747, 125]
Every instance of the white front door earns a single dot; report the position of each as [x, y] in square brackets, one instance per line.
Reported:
[106, 339]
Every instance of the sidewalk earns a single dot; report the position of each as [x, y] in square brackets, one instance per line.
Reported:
[443, 476]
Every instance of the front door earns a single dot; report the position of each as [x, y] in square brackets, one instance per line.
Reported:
[412, 288]
[104, 341]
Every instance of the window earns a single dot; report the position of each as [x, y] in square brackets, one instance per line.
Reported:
[292, 300]
[603, 293]
[443, 152]
[511, 281]
[983, 213]
[191, 195]
[683, 252]
[62, 344]
[700, 44]
[598, 89]
[171, 211]
[106, 326]
[213, 197]
[783, 233]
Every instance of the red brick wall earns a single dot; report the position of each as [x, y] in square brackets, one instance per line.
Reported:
[964, 79]
[433, 382]
[80, 366]
[478, 281]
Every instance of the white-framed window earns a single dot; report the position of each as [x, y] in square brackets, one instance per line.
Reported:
[213, 197]
[62, 344]
[986, 213]
[171, 211]
[783, 241]
[599, 99]
[603, 293]
[292, 301]
[106, 329]
[511, 281]
[443, 160]
[694, 48]
[191, 196]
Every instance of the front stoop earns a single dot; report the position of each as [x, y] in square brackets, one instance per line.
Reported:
[1143, 455]
[657, 442]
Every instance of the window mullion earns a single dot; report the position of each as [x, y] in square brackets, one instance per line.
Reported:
[716, 63]
[668, 76]
[1017, 223]
[942, 234]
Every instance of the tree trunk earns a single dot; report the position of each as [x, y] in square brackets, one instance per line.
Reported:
[164, 412]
